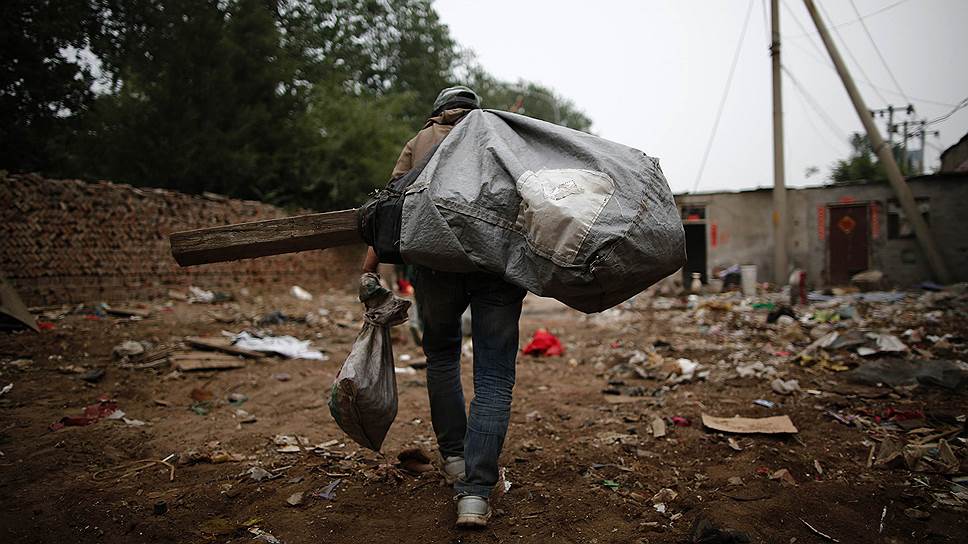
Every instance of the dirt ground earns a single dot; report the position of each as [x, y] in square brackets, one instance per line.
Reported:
[583, 462]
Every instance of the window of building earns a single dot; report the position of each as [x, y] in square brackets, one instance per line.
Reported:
[693, 213]
[898, 227]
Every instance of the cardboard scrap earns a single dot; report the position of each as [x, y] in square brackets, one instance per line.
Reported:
[201, 360]
[220, 344]
[749, 425]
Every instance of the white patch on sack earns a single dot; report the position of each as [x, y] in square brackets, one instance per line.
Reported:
[559, 207]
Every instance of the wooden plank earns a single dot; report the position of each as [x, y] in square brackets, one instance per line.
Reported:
[220, 344]
[201, 360]
[128, 312]
[263, 238]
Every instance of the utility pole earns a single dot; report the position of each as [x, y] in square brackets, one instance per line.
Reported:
[883, 151]
[921, 133]
[779, 186]
[904, 152]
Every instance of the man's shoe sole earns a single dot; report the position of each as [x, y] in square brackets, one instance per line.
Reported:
[473, 521]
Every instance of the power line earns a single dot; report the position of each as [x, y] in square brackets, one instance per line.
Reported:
[722, 101]
[848, 23]
[803, 107]
[878, 50]
[960, 105]
[802, 28]
[826, 117]
[860, 67]
[826, 62]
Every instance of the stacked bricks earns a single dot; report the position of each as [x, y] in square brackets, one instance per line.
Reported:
[68, 241]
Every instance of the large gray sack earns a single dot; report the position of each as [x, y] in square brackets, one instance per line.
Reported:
[559, 212]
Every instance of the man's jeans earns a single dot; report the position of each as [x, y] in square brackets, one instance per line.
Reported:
[495, 308]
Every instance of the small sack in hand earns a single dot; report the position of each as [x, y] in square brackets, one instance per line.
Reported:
[363, 400]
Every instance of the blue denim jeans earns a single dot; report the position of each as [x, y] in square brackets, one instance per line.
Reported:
[495, 309]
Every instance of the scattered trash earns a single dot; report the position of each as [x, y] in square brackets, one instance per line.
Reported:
[404, 370]
[127, 349]
[680, 421]
[952, 375]
[93, 413]
[328, 493]
[295, 499]
[611, 484]
[237, 399]
[784, 476]
[658, 427]
[216, 343]
[281, 376]
[765, 403]
[6, 389]
[287, 346]
[745, 425]
[205, 360]
[263, 536]
[300, 293]
[817, 532]
[544, 343]
[93, 376]
[784, 387]
[259, 474]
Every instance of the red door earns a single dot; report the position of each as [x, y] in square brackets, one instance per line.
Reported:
[847, 244]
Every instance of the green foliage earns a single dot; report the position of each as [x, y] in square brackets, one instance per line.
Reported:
[302, 103]
[42, 91]
[863, 163]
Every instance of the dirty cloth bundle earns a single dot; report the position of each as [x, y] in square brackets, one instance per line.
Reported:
[561, 213]
[363, 400]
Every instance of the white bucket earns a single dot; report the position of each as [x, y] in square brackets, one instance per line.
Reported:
[748, 279]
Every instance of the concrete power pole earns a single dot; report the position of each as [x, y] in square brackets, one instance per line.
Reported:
[779, 186]
[884, 152]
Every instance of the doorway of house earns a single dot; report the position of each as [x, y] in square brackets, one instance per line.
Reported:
[695, 252]
[848, 243]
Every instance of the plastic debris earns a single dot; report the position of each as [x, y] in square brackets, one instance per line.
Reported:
[544, 343]
[300, 293]
[287, 346]
[328, 493]
[104, 408]
[784, 387]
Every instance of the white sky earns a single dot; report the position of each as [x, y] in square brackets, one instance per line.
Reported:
[650, 74]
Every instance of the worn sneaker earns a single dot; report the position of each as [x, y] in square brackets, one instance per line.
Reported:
[452, 469]
[472, 512]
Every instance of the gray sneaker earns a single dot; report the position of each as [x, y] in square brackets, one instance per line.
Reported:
[472, 512]
[452, 469]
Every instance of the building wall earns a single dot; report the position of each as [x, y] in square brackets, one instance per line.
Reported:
[67, 241]
[744, 228]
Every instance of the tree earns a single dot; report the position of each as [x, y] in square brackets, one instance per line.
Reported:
[863, 163]
[301, 103]
[44, 87]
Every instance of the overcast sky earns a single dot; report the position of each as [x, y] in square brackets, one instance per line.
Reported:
[651, 74]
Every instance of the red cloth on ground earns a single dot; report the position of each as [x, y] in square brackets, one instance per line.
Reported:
[544, 343]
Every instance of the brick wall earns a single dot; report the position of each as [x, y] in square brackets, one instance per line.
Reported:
[68, 241]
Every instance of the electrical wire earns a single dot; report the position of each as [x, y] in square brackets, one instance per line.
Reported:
[960, 105]
[722, 101]
[802, 28]
[879, 54]
[843, 42]
[825, 61]
[847, 23]
[826, 117]
[826, 139]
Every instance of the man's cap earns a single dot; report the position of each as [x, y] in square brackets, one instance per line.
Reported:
[460, 95]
